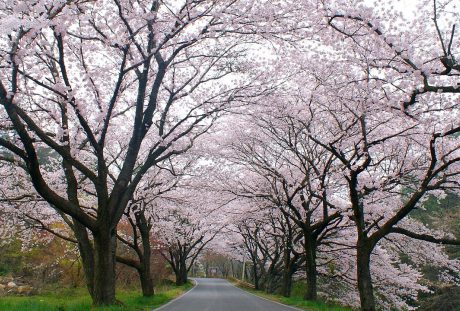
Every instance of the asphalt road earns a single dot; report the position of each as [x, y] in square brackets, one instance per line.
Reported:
[220, 295]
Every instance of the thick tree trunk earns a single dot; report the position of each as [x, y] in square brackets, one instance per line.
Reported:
[290, 267]
[256, 277]
[145, 258]
[272, 277]
[234, 270]
[146, 283]
[181, 278]
[87, 255]
[286, 283]
[181, 273]
[311, 292]
[143, 270]
[104, 268]
[81, 233]
[269, 285]
[146, 277]
[366, 291]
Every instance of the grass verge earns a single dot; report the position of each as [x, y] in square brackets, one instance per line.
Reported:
[77, 299]
[296, 300]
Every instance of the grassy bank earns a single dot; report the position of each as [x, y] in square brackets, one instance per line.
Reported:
[77, 299]
[296, 299]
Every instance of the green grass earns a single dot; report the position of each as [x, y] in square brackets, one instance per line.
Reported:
[296, 299]
[78, 300]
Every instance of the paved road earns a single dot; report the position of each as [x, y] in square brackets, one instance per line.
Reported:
[220, 295]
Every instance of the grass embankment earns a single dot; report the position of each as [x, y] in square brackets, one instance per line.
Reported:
[296, 299]
[77, 299]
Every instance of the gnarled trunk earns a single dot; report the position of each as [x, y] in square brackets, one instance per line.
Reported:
[366, 291]
[146, 275]
[311, 292]
[104, 267]
[143, 269]
[286, 284]
[146, 283]
[87, 255]
[145, 258]
[289, 270]
[256, 276]
[290, 267]
[181, 273]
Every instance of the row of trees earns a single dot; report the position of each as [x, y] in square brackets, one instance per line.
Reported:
[178, 231]
[303, 224]
[347, 150]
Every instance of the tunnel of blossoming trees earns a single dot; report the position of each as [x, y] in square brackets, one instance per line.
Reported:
[307, 147]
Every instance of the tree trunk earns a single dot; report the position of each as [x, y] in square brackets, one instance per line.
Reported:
[181, 273]
[290, 267]
[287, 283]
[145, 258]
[310, 268]
[143, 270]
[181, 279]
[104, 267]
[256, 276]
[271, 279]
[366, 292]
[234, 274]
[146, 282]
[87, 255]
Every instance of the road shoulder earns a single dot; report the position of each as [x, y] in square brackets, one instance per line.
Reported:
[293, 303]
[247, 289]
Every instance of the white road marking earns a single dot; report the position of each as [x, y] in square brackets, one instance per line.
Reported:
[278, 303]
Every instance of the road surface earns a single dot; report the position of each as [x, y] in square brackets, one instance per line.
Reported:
[220, 295]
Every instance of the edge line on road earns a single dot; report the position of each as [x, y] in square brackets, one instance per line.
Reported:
[177, 298]
[278, 303]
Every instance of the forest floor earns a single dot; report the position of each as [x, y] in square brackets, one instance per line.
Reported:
[78, 299]
[296, 299]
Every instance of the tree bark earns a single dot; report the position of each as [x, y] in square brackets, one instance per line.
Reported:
[289, 270]
[311, 292]
[145, 257]
[143, 270]
[256, 276]
[104, 267]
[181, 273]
[87, 255]
[290, 267]
[287, 284]
[366, 292]
[146, 276]
[146, 282]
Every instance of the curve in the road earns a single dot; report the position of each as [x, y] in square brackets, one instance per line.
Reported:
[220, 295]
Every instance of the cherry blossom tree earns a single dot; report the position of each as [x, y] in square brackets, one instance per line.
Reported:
[141, 215]
[272, 243]
[186, 227]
